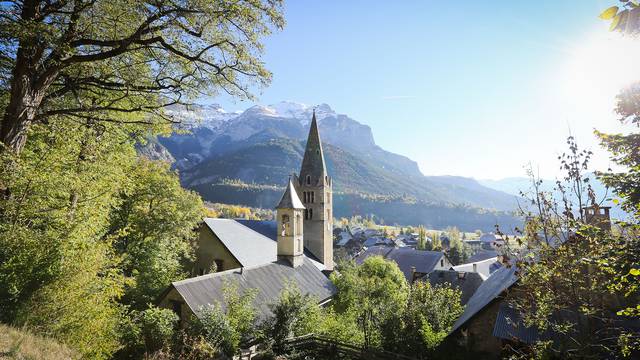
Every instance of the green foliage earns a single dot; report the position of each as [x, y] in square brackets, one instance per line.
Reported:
[153, 229]
[157, 328]
[458, 251]
[70, 251]
[424, 322]
[104, 59]
[224, 327]
[294, 314]
[624, 18]
[372, 291]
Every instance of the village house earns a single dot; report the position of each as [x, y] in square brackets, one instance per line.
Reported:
[413, 263]
[267, 255]
[466, 282]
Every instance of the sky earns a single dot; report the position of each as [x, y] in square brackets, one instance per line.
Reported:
[470, 88]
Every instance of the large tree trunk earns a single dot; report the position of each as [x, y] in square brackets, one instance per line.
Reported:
[29, 82]
[19, 114]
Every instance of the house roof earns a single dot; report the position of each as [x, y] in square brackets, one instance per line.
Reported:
[510, 326]
[490, 289]
[290, 199]
[249, 247]
[467, 282]
[406, 258]
[268, 279]
[485, 267]
[482, 255]
[269, 229]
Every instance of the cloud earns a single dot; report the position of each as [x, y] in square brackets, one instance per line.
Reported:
[398, 97]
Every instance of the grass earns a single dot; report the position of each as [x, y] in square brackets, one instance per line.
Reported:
[22, 345]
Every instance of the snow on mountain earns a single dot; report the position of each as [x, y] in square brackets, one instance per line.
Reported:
[209, 116]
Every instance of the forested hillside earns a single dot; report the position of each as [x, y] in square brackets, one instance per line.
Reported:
[264, 145]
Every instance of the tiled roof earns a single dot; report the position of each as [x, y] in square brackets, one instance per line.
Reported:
[268, 279]
[493, 287]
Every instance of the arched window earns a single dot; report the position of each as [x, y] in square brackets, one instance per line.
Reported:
[308, 179]
[285, 225]
[310, 214]
[298, 225]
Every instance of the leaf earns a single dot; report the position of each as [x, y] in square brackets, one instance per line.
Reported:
[614, 23]
[609, 13]
[634, 272]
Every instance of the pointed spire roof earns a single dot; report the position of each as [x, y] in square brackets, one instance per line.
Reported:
[290, 199]
[313, 162]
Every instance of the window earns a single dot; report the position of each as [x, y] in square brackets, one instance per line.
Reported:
[176, 306]
[285, 225]
[310, 214]
[219, 264]
[308, 179]
[313, 196]
[441, 262]
[298, 244]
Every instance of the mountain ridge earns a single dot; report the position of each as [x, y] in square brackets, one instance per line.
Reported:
[264, 144]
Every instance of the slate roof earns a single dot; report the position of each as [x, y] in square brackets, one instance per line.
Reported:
[268, 279]
[249, 247]
[467, 282]
[290, 199]
[482, 255]
[485, 267]
[423, 261]
[493, 287]
[269, 229]
[313, 163]
[510, 326]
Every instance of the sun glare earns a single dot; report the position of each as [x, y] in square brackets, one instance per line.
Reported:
[598, 68]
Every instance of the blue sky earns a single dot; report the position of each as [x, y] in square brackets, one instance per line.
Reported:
[472, 88]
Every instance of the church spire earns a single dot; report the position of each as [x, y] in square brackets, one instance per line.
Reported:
[290, 199]
[313, 169]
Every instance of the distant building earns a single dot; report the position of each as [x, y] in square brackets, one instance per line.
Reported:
[598, 216]
[413, 263]
[484, 267]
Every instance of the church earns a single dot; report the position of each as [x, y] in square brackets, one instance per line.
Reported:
[266, 255]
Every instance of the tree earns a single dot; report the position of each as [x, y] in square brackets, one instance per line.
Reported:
[224, 329]
[153, 230]
[422, 239]
[97, 60]
[294, 314]
[425, 321]
[569, 282]
[624, 18]
[372, 292]
[458, 251]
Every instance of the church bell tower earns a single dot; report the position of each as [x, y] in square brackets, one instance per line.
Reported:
[290, 229]
[314, 184]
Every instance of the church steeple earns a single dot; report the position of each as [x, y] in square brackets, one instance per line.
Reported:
[313, 170]
[314, 184]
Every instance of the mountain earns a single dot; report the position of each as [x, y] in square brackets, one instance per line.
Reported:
[262, 145]
[516, 185]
